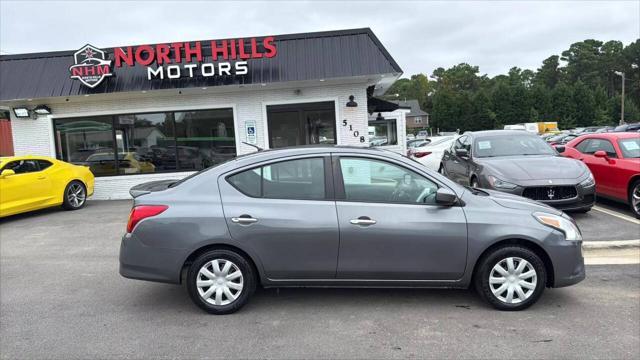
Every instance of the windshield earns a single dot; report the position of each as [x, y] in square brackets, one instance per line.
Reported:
[630, 147]
[511, 145]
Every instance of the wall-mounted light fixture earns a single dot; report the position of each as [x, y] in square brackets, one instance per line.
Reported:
[42, 110]
[21, 112]
[351, 102]
[379, 117]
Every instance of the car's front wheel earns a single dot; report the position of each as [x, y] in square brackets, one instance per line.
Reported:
[220, 281]
[511, 278]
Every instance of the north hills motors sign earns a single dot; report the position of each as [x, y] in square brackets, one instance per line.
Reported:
[173, 60]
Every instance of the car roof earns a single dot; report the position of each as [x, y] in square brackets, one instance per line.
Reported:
[24, 157]
[611, 135]
[487, 133]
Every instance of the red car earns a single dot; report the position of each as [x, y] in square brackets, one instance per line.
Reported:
[614, 160]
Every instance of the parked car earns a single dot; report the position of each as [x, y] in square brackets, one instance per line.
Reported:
[561, 139]
[322, 216]
[103, 163]
[411, 144]
[30, 183]
[522, 164]
[430, 155]
[634, 127]
[614, 160]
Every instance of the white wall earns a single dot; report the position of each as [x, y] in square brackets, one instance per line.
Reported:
[36, 137]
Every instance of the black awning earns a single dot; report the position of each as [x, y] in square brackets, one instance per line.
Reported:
[375, 105]
[300, 57]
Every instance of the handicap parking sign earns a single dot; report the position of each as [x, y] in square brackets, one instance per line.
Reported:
[250, 127]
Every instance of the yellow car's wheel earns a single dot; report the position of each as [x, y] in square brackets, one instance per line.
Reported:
[75, 196]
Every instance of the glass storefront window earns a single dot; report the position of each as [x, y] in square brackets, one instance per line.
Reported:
[301, 124]
[87, 141]
[148, 142]
[142, 141]
[383, 132]
[204, 138]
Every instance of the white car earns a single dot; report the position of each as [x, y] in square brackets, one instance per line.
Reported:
[430, 155]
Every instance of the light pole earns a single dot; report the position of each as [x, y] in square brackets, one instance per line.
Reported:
[622, 103]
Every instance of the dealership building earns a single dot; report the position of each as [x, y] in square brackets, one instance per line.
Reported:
[148, 112]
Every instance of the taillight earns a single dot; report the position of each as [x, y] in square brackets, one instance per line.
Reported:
[420, 154]
[142, 212]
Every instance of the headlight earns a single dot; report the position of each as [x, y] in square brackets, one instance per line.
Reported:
[501, 184]
[590, 181]
[568, 227]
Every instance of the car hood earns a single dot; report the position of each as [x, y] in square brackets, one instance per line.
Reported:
[518, 202]
[533, 167]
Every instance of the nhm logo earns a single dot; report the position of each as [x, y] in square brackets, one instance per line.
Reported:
[91, 66]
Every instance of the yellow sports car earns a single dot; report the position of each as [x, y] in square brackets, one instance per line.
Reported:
[34, 182]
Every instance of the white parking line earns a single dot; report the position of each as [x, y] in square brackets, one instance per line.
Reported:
[617, 214]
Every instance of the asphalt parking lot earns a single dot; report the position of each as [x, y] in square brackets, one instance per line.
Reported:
[61, 297]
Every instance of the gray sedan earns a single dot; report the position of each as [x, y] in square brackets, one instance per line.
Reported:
[349, 217]
[519, 163]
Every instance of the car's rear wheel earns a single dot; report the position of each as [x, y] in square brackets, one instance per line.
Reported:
[634, 198]
[75, 196]
[511, 278]
[220, 281]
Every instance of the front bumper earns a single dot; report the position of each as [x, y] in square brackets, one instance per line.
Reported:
[141, 262]
[584, 199]
[568, 262]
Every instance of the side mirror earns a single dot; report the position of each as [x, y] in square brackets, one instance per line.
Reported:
[600, 154]
[560, 148]
[7, 172]
[446, 197]
[463, 153]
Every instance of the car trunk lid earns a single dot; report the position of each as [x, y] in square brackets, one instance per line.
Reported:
[151, 186]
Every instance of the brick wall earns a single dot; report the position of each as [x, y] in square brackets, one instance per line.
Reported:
[36, 137]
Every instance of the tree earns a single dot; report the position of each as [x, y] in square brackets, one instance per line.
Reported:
[584, 91]
[564, 106]
[549, 73]
[584, 103]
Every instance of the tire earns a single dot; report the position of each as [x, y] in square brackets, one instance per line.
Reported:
[583, 210]
[491, 291]
[634, 195]
[75, 196]
[206, 297]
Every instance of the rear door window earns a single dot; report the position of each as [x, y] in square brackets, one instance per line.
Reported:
[302, 179]
[43, 164]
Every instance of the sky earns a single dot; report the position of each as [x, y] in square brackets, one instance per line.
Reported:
[420, 35]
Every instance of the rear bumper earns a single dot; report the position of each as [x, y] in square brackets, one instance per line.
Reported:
[141, 262]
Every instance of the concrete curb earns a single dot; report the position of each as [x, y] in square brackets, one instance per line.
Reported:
[613, 244]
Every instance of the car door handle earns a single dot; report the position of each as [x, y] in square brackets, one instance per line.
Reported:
[41, 177]
[363, 220]
[243, 220]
